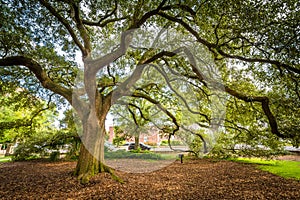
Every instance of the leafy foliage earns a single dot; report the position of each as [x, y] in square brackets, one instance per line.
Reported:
[199, 60]
[44, 144]
[22, 114]
[120, 136]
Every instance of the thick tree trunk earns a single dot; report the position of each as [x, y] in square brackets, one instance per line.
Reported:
[91, 157]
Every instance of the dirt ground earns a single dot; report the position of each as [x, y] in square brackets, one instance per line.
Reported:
[195, 179]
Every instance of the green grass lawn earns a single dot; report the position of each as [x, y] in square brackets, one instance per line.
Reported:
[5, 159]
[283, 168]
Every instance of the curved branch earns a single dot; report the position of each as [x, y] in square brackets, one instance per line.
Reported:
[133, 117]
[200, 136]
[260, 60]
[163, 73]
[265, 106]
[41, 110]
[263, 100]
[140, 111]
[82, 30]
[107, 14]
[126, 37]
[104, 23]
[65, 23]
[189, 76]
[189, 28]
[94, 65]
[235, 126]
[158, 104]
[40, 74]
[147, 58]
[215, 48]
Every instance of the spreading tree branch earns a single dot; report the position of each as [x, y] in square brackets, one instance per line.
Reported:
[82, 30]
[40, 74]
[163, 73]
[65, 23]
[147, 58]
[200, 136]
[263, 100]
[161, 107]
[215, 48]
[95, 65]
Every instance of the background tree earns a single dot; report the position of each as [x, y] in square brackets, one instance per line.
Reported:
[22, 114]
[133, 120]
[120, 135]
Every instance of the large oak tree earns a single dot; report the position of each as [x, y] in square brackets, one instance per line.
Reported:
[246, 41]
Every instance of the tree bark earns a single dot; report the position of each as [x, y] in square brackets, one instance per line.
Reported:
[136, 141]
[91, 157]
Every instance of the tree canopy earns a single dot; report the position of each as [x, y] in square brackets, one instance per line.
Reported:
[191, 60]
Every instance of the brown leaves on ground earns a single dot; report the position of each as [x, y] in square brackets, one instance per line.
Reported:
[196, 179]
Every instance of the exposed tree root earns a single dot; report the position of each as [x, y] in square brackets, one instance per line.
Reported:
[85, 177]
[112, 173]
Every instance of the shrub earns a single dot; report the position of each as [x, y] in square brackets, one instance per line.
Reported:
[118, 140]
[173, 143]
[27, 152]
[54, 156]
[138, 150]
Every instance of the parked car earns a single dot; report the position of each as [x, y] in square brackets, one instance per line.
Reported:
[124, 146]
[110, 146]
[142, 146]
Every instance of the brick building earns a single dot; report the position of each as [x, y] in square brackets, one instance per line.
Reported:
[152, 136]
